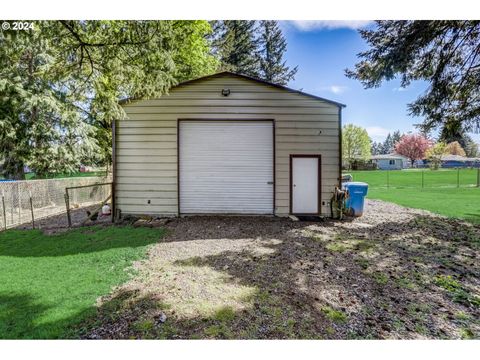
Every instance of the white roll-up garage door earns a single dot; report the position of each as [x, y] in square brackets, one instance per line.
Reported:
[226, 167]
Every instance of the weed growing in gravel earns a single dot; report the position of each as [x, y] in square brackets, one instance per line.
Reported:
[336, 247]
[421, 329]
[363, 263]
[462, 316]
[417, 259]
[290, 323]
[448, 283]
[342, 244]
[163, 306]
[458, 293]
[380, 278]
[315, 236]
[419, 313]
[398, 325]
[353, 335]
[418, 310]
[222, 327]
[406, 283]
[334, 315]
[167, 331]
[368, 311]
[225, 314]
[467, 334]
[145, 327]
[419, 278]
[218, 331]
[330, 331]
[362, 245]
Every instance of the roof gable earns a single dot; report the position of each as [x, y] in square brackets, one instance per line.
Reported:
[258, 81]
[226, 74]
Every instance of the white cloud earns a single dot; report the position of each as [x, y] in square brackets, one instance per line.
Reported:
[336, 89]
[311, 25]
[399, 89]
[377, 133]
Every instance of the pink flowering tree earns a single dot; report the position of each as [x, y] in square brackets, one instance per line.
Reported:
[413, 146]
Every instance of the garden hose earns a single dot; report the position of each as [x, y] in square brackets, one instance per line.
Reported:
[338, 202]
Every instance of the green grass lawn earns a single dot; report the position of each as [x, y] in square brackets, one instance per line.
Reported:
[49, 284]
[458, 203]
[439, 195]
[412, 178]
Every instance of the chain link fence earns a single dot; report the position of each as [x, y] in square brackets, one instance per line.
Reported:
[419, 178]
[30, 200]
[89, 197]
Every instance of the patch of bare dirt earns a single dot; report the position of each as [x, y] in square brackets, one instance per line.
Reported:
[58, 223]
[394, 273]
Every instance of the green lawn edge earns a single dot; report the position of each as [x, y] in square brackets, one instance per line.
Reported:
[49, 283]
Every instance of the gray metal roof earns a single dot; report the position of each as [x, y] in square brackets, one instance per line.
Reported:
[388, 157]
[450, 157]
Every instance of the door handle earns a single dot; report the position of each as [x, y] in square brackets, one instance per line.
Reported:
[270, 182]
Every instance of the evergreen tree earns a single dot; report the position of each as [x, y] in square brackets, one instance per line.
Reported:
[454, 132]
[427, 133]
[387, 146]
[39, 127]
[376, 148]
[471, 147]
[443, 53]
[273, 46]
[451, 132]
[215, 38]
[60, 84]
[238, 48]
[396, 136]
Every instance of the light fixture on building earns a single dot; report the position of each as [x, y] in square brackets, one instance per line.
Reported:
[225, 92]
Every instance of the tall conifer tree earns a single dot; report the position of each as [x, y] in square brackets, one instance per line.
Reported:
[273, 46]
[238, 47]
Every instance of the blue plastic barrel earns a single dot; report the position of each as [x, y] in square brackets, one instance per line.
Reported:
[356, 197]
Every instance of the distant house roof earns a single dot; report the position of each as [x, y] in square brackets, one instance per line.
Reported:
[388, 157]
[450, 157]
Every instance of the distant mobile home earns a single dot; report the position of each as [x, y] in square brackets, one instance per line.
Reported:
[390, 162]
[227, 144]
[457, 161]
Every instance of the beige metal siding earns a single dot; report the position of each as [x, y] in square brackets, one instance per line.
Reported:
[146, 153]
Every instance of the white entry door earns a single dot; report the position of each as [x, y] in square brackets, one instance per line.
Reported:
[305, 184]
[226, 167]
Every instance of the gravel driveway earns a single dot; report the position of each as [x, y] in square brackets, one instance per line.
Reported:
[393, 273]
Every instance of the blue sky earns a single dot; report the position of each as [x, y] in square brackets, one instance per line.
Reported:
[322, 50]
